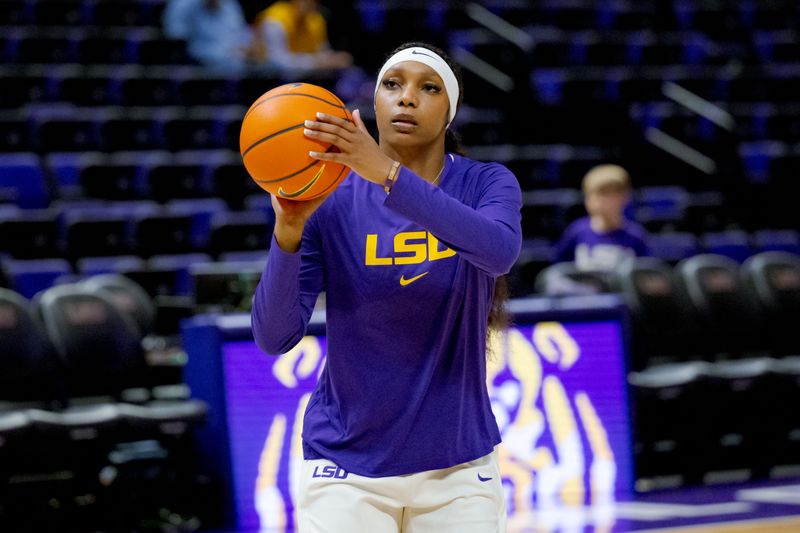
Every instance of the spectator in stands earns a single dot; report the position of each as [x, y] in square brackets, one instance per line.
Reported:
[295, 37]
[215, 31]
[605, 239]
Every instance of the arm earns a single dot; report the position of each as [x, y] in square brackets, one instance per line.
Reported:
[488, 236]
[287, 292]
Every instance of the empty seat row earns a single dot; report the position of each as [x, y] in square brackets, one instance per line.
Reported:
[134, 228]
[158, 175]
[82, 12]
[130, 85]
[645, 84]
[707, 307]
[67, 129]
[138, 46]
[715, 422]
[76, 390]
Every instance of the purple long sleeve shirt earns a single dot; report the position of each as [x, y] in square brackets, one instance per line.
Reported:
[409, 279]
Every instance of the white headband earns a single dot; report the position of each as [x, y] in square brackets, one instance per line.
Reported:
[433, 60]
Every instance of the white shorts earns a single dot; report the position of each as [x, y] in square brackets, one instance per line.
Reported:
[466, 498]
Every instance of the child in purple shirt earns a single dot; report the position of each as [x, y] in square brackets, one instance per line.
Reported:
[604, 240]
[399, 433]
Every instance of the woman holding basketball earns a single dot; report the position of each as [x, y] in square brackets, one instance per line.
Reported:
[408, 249]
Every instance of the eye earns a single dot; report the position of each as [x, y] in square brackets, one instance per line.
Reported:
[390, 84]
[432, 88]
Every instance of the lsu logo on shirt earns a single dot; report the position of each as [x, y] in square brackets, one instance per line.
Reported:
[409, 248]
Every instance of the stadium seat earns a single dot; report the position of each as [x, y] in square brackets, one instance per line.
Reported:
[92, 266]
[737, 396]
[777, 241]
[106, 50]
[125, 13]
[58, 12]
[781, 427]
[535, 256]
[87, 88]
[127, 296]
[168, 274]
[91, 233]
[171, 181]
[734, 244]
[101, 347]
[30, 276]
[673, 246]
[162, 51]
[28, 366]
[668, 424]
[67, 135]
[12, 12]
[544, 213]
[563, 279]
[163, 234]
[208, 91]
[705, 212]
[33, 235]
[23, 182]
[33, 393]
[136, 131]
[664, 326]
[147, 91]
[14, 131]
[773, 279]
[225, 287]
[732, 327]
[49, 49]
[202, 210]
[111, 181]
[239, 231]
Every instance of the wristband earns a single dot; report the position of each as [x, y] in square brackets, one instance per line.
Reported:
[390, 178]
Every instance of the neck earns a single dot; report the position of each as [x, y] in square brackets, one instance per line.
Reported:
[426, 162]
[604, 225]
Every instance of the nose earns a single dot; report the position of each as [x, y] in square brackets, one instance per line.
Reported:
[408, 96]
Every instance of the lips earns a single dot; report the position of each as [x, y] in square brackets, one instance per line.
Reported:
[404, 119]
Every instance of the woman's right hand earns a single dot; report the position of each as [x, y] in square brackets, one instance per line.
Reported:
[290, 219]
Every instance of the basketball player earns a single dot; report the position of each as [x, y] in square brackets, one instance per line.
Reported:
[398, 434]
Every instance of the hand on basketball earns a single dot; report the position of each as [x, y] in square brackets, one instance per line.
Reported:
[357, 149]
[290, 219]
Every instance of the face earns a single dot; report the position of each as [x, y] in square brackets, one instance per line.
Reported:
[607, 204]
[411, 105]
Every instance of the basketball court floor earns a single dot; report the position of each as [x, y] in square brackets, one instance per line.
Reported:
[762, 508]
[769, 507]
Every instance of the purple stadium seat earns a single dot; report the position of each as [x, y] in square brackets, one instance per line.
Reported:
[28, 277]
[732, 243]
[90, 266]
[777, 241]
[673, 246]
[22, 180]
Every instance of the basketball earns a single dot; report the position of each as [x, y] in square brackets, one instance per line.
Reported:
[275, 150]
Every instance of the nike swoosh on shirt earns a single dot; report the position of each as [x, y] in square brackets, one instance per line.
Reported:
[404, 281]
[484, 479]
[305, 187]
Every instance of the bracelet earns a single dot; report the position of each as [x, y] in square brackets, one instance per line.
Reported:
[390, 178]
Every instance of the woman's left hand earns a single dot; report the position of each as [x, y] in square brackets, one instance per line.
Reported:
[357, 149]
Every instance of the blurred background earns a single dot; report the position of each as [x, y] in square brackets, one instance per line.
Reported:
[126, 213]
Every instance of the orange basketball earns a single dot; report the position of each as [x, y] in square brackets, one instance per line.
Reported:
[274, 149]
